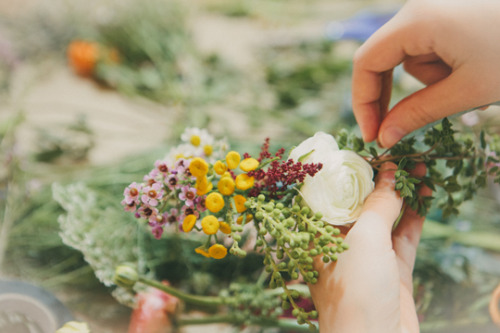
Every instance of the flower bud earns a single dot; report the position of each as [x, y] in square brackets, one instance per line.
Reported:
[313, 314]
[125, 276]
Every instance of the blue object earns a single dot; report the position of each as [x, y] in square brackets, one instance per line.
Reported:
[359, 27]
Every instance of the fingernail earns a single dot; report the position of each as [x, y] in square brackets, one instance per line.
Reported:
[391, 136]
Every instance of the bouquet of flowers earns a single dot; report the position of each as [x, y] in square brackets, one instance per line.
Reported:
[291, 207]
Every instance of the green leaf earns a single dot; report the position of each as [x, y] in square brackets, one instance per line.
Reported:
[482, 139]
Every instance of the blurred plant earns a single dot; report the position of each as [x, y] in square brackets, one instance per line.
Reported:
[143, 49]
[309, 80]
[452, 282]
[83, 56]
[12, 181]
[72, 142]
[302, 72]
[238, 8]
[146, 49]
[8, 62]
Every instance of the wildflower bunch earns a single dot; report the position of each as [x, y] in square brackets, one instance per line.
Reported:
[174, 192]
[218, 197]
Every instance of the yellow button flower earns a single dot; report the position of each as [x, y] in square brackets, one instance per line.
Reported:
[227, 174]
[217, 251]
[226, 186]
[202, 251]
[210, 224]
[220, 168]
[233, 158]
[239, 202]
[198, 167]
[203, 186]
[225, 227]
[188, 223]
[214, 202]
[244, 182]
[249, 164]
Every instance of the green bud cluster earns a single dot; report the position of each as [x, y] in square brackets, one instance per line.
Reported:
[250, 302]
[291, 238]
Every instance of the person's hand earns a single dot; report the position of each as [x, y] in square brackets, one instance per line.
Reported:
[452, 46]
[369, 288]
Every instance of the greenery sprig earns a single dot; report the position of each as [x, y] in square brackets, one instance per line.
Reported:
[458, 165]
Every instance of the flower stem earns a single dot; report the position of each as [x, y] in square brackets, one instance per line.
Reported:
[284, 324]
[210, 301]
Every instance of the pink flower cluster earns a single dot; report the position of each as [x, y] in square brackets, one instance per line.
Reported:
[166, 196]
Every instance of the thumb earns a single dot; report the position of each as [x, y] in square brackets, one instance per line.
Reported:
[383, 206]
[451, 95]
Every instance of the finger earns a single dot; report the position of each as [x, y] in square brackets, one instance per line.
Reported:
[380, 209]
[372, 79]
[406, 236]
[455, 93]
[389, 46]
[428, 69]
[385, 95]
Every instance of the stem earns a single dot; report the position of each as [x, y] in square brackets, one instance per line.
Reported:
[284, 323]
[394, 158]
[210, 301]
[401, 213]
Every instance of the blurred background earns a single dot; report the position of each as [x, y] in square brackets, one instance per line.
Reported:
[93, 92]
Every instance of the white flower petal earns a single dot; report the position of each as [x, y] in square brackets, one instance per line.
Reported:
[339, 189]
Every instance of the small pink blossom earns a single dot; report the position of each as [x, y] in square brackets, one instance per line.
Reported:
[188, 195]
[151, 177]
[151, 194]
[200, 203]
[129, 207]
[172, 216]
[172, 182]
[162, 167]
[188, 210]
[156, 218]
[181, 166]
[157, 231]
[146, 212]
[132, 193]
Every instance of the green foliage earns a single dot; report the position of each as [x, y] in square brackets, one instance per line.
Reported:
[458, 165]
[302, 75]
[72, 142]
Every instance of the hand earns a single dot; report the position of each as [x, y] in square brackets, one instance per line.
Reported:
[449, 45]
[369, 288]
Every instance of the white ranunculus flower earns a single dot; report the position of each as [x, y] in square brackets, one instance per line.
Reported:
[339, 189]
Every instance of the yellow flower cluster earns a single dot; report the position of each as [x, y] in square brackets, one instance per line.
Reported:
[225, 197]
